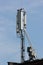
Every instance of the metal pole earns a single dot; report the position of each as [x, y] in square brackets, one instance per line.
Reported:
[22, 47]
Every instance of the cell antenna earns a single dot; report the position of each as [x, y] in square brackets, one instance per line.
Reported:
[21, 30]
[20, 26]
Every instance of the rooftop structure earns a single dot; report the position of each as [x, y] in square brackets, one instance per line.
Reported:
[35, 62]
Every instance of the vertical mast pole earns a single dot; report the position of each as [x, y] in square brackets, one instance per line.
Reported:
[22, 47]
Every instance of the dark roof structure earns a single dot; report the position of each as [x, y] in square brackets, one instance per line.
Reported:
[35, 62]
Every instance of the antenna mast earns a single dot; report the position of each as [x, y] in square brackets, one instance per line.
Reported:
[21, 30]
[21, 25]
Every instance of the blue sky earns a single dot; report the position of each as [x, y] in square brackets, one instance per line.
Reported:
[9, 43]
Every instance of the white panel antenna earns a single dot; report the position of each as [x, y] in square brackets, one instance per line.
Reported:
[21, 20]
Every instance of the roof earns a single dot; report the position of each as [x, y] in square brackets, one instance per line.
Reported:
[35, 62]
